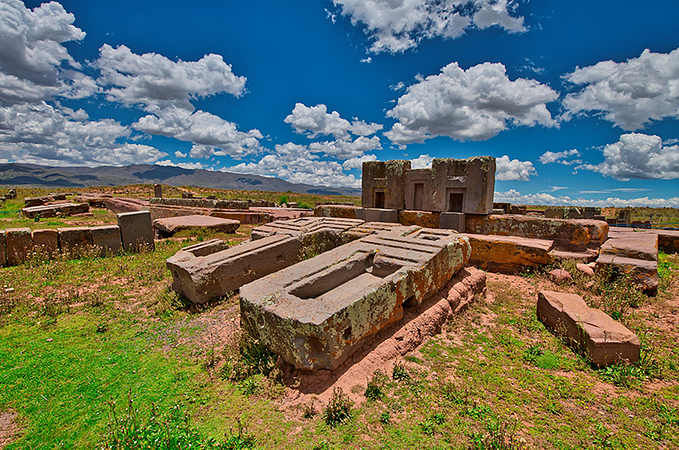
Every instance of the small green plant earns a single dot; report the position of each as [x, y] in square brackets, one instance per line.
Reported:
[399, 372]
[283, 199]
[543, 359]
[385, 418]
[253, 358]
[338, 409]
[375, 388]
[500, 435]
[618, 293]
[309, 409]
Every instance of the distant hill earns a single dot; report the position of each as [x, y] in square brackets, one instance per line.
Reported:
[14, 174]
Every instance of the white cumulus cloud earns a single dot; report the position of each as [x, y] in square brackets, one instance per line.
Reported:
[421, 162]
[516, 197]
[190, 166]
[212, 134]
[34, 65]
[297, 164]
[630, 94]
[357, 163]
[638, 155]
[153, 80]
[397, 25]
[42, 134]
[316, 121]
[513, 170]
[565, 157]
[473, 104]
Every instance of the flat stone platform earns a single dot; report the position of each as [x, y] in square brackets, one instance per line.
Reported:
[171, 225]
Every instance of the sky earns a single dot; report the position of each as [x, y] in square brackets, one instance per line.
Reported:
[577, 100]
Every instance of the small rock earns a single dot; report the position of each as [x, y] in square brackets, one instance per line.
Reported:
[50, 340]
[560, 276]
[585, 268]
[9, 290]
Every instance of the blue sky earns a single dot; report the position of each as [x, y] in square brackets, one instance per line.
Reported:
[579, 101]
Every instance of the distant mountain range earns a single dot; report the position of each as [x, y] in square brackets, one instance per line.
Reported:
[14, 174]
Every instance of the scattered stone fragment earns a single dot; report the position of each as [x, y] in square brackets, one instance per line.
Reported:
[171, 225]
[560, 276]
[590, 331]
[643, 273]
[61, 209]
[585, 268]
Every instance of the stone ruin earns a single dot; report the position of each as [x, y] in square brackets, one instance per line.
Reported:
[315, 289]
[133, 233]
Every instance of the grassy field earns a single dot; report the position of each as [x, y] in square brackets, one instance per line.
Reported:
[101, 353]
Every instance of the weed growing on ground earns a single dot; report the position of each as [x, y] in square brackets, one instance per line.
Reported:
[617, 293]
[171, 430]
[375, 388]
[338, 409]
[309, 409]
[399, 372]
[385, 418]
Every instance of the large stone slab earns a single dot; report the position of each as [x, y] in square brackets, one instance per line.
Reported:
[171, 225]
[75, 242]
[61, 209]
[46, 242]
[383, 184]
[508, 254]
[316, 313]
[136, 231]
[19, 244]
[201, 203]
[378, 215]
[590, 331]
[630, 244]
[3, 249]
[201, 276]
[340, 211]
[242, 216]
[572, 235]
[425, 219]
[107, 239]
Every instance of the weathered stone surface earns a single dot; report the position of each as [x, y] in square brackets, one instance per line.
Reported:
[560, 276]
[573, 235]
[585, 268]
[158, 191]
[425, 219]
[380, 215]
[643, 273]
[587, 255]
[384, 184]
[242, 216]
[306, 226]
[624, 217]
[3, 249]
[668, 240]
[171, 225]
[508, 254]
[418, 190]
[201, 203]
[136, 230]
[19, 244]
[453, 221]
[519, 210]
[62, 209]
[316, 313]
[34, 201]
[108, 239]
[630, 244]
[75, 242]
[463, 185]
[201, 277]
[340, 211]
[505, 207]
[590, 331]
[122, 205]
[554, 213]
[46, 242]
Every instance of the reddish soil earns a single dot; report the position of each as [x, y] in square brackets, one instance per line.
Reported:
[8, 428]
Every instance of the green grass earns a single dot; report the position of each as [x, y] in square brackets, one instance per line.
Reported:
[78, 334]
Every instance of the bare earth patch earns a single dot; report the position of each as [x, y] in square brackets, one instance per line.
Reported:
[8, 428]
